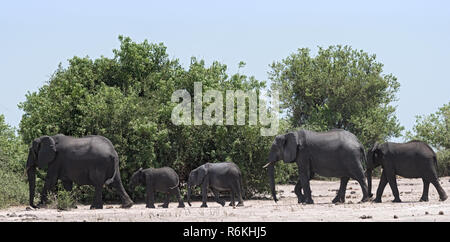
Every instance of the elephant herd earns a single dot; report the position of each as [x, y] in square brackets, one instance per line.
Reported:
[92, 160]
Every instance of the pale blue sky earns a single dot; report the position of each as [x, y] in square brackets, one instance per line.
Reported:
[411, 38]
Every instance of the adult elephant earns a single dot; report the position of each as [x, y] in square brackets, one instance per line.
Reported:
[90, 160]
[414, 159]
[223, 176]
[336, 153]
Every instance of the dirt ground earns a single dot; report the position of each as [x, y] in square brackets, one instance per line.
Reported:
[286, 209]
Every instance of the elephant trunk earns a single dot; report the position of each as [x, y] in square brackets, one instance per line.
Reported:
[31, 173]
[271, 170]
[369, 182]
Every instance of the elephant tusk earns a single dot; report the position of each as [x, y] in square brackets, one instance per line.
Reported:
[25, 173]
[266, 165]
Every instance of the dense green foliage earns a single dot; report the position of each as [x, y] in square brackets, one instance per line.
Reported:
[128, 99]
[339, 88]
[435, 130]
[13, 186]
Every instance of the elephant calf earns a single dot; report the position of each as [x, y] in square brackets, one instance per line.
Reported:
[163, 179]
[414, 159]
[225, 176]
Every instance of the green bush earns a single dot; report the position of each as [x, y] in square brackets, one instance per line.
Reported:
[13, 184]
[13, 189]
[443, 160]
[61, 199]
[434, 130]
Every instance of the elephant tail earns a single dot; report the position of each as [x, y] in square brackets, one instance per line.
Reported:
[175, 185]
[435, 161]
[116, 168]
[364, 157]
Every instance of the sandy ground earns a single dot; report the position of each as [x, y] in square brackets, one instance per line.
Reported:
[286, 209]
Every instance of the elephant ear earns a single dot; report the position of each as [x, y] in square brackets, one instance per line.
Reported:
[290, 147]
[378, 151]
[47, 151]
[202, 172]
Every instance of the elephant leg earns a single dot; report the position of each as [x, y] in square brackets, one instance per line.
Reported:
[217, 197]
[232, 196]
[304, 181]
[442, 195]
[236, 190]
[361, 179]
[50, 183]
[381, 186]
[239, 195]
[150, 197]
[126, 200]
[204, 194]
[166, 200]
[179, 199]
[426, 186]
[298, 192]
[98, 202]
[392, 180]
[68, 185]
[340, 196]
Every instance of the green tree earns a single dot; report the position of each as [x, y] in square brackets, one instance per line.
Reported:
[13, 188]
[338, 88]
[127, 99]
[434, 129]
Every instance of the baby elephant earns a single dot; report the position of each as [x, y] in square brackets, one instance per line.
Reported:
[224, 176]
[163, 179]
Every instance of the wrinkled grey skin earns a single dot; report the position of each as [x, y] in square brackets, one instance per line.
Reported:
[414, 159]
[225, 176]
[336, 153]
[163, 179]
[90, 160]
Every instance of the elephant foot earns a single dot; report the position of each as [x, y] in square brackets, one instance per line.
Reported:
[165, 205]
[423, 199]
[338, 200]
[127, 205]
[308, 201]
[181, 205]
[365, 199]
[443, 198]
[240, 204]
[96, 207]
[204, 205]
[397, 200]
[231, 204]
[221, 202]
[150, 206]
[41, 205]
[377, 200]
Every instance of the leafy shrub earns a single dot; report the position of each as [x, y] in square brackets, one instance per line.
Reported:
[13, 189]
[62, 199]
[13, 186]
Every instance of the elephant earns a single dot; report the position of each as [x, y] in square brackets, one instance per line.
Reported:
[414, 159]
[335, 153]
[90, 160]
[163, 179]
[224, 176]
